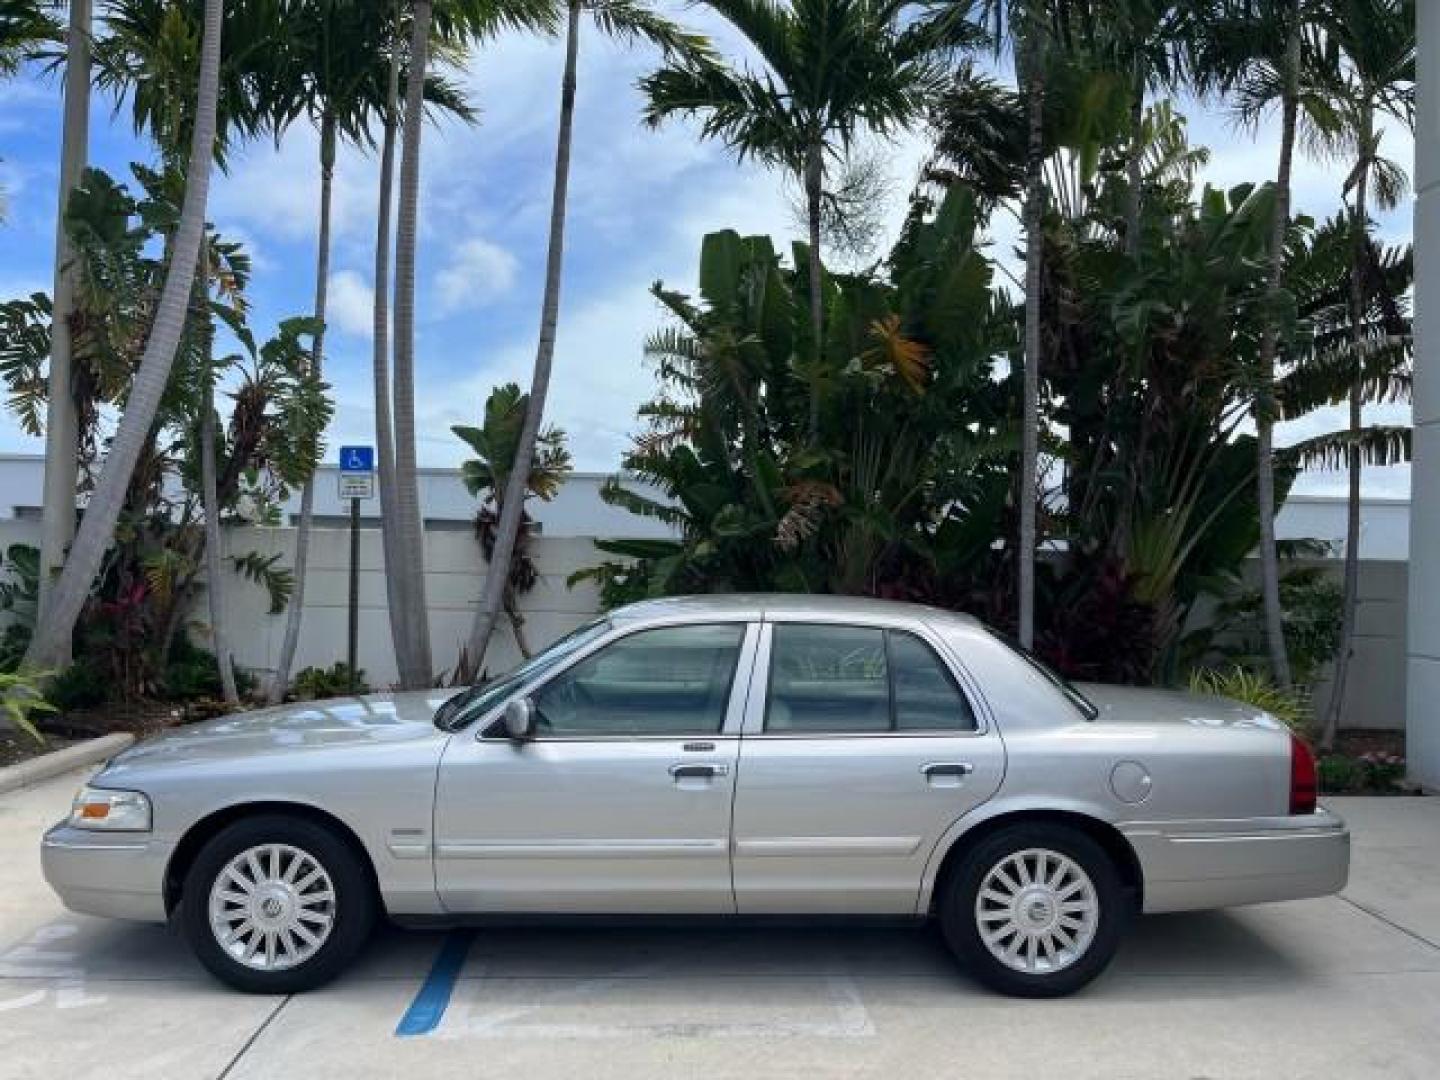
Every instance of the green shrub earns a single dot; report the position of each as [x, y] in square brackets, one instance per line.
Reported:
[1241, 685]
[82, 685]
[1382, 771]
[193, 672]
[334, 681]
[1339, 774]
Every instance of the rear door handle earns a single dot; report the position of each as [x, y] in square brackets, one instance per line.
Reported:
[947, 768]
[684, 770]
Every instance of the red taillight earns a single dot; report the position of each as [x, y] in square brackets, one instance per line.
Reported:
[1302, 776]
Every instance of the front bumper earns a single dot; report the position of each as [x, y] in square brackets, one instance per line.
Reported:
[116, 875]
[1188, 865]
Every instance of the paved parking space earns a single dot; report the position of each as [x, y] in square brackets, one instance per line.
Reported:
[1346, 987]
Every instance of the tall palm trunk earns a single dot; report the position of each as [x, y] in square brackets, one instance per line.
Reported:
[1030, 408]
[1351, 595]
[395, 580]
[512, 503]
[213, 540]
[1134, 160]
[97, 528]
[296, 610]
[418, 672]
[62, 433]
[1265, 377]
[814, 189]
[214, 580]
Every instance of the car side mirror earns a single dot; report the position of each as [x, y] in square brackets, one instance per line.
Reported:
[520, 719]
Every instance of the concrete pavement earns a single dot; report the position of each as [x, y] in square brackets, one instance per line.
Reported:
[1347, 987]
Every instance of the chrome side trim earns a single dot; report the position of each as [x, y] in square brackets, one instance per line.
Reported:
[97, 845]
[884, 846]
[572, 849]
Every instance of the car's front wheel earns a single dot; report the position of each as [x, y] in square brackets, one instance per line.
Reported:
[274, 904]
[1035, 910]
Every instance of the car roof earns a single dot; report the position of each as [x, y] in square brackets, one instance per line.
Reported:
[764, 604]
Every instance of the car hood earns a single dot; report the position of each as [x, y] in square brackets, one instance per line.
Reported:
[288, 729]
[1137, 704]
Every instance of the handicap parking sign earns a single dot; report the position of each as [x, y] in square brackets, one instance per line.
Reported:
[357, 459]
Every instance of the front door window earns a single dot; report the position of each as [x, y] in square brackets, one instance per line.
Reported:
[670, 681]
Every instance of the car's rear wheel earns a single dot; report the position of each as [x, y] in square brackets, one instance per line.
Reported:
[1035, 910]
[275, 904]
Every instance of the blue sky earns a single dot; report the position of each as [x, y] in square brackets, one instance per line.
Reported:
[640, 202]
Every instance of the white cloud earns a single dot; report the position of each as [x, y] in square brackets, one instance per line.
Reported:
[477, 273]
[276, 190]
[350, 307]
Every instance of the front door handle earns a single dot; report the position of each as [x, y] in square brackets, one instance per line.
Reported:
[947, 768]
[688, 770]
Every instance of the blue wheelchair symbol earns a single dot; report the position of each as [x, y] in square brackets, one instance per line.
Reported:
[359, 459]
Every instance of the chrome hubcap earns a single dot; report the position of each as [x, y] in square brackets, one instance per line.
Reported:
[272, 907]
[1037, 911]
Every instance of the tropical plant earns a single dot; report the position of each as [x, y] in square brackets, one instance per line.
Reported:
[270, 445]
[103, 510]
[629, 21]
[831, 71]
[903, 489]
[1241, 684]
[21, 698]
[486, 476]
[337, 680]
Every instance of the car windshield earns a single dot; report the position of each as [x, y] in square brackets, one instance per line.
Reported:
[1065, 686]
[480, 698]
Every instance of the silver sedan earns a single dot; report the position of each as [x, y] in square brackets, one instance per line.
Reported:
[712, 756]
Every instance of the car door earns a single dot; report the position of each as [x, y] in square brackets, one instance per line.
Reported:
[622, 800]
[862, 745]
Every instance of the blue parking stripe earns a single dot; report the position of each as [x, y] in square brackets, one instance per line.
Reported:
[428, 1008]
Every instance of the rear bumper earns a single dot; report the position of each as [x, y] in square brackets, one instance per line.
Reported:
[1189, 865]
[116, 875]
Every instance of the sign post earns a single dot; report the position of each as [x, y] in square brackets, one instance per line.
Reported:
[357, 481]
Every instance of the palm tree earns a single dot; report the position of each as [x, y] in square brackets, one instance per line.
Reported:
[98, 524]
[338, 64]
[487, 476]
[1149, 41]
[396, 583]
[150, 53]
[25, 29]
[409, 532]
[1032, 27]
[1258, 52]
[209, 492]
[456, 24]
[62, 467]
[629, 20]
[1375, 43]
[832, 69]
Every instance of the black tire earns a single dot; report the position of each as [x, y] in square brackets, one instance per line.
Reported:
[353, 911]
[960, 922]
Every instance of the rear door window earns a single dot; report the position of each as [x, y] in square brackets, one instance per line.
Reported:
[859, 680]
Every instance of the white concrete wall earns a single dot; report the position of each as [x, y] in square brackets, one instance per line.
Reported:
[454, 577]
[1423, 642]
[576, 510]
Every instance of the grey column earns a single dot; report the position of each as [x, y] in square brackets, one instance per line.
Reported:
[1422, 712]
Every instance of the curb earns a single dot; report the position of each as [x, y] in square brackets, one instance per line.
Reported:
[46, 766]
